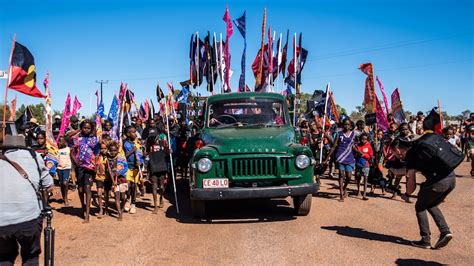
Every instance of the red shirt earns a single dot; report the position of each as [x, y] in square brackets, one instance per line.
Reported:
[367, 152]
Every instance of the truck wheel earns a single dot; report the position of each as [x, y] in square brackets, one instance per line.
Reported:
[199, 208]
[302, 204]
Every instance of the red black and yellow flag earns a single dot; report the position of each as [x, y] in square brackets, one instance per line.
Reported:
[22, 76]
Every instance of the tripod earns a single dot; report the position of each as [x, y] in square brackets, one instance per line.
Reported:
[48, 237]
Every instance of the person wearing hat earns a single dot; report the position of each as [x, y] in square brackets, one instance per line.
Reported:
[33, 130]
[56, 126]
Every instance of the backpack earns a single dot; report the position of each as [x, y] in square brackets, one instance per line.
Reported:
[437, 157]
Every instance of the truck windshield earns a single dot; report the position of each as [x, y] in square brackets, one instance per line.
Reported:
[247, 111]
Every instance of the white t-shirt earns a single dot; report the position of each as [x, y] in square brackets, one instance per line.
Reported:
[64, 158]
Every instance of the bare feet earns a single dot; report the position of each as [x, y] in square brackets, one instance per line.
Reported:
[341, 200]
[155, 211]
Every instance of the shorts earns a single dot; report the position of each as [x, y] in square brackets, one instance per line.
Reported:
[133, 175]
[122, 188]
[158, 177]
[345, 167]
[363, 171]
[64, 175]
[85, 177]
[106, 184]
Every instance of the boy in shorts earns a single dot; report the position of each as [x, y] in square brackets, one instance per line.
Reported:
[133, 154]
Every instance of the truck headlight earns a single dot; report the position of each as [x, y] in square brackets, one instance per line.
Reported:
[204, 165]
[302, 161]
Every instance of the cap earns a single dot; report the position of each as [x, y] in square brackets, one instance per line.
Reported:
[57, 117]
[73, 119]
[34, 121]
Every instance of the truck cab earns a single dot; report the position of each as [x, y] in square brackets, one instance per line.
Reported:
[250, 151]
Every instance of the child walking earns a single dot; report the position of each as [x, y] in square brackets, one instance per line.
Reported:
[100, 177]
[158, 167]
[133, 154]
[64, 168]
[365, 153]
[116, 171]
[86, 146]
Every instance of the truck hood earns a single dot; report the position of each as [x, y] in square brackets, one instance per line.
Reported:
[249, 140]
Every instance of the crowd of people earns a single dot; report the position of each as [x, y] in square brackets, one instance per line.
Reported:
[118, 166]
[121, 164]
[355, 149]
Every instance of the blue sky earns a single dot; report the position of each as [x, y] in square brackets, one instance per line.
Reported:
[425, 48]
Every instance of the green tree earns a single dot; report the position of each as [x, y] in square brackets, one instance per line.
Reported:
[36, 109]
[1, 112]
[341, 110]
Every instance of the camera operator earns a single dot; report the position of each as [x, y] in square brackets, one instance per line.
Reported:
[432, 192]
[21, 178]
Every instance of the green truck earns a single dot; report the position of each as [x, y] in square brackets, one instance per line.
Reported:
[250, 152]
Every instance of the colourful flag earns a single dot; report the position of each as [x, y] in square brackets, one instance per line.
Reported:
[22, 72]
[397, 108]
[12, 109]
[229, 32]
[66, 115]
[76, 106]
[332, 108]
[159, 93]
[51, 158]
[269, 82]
[113, 111]
[382, 121]
[284, 55]
[240, 24]
[369, 95]
[259, 69]
[294, 75]
[385, 101]
[183, 95]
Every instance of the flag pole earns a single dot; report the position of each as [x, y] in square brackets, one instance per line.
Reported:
[220, 63]
[199, 53]
[171, 156]
[217, 61]
[295, 70]
[324, 121]
[4, 126]
[440, 114]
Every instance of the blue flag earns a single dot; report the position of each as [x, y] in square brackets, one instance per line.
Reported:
[100, 109]
[240, 24]
[183, 95]
[113, 112]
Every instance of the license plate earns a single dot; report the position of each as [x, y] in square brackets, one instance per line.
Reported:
[215, 183]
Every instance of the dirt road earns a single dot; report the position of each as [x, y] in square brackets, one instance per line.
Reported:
[265, 232]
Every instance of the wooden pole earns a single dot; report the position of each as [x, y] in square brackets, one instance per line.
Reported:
[4, 126]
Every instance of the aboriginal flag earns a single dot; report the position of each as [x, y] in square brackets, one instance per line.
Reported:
[22, 76]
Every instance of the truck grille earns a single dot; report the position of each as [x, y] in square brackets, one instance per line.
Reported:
[254, 167]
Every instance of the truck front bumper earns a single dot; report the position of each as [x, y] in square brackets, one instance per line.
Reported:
[253, 193]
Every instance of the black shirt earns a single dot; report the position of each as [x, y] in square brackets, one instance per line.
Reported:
[413, 163]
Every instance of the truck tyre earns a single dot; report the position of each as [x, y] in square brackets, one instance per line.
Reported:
[199, 208]
[302, 204]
